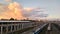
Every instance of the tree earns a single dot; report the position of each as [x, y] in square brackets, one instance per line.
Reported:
[11, 18]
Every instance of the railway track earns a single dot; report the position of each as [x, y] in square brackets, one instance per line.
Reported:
[52, 28]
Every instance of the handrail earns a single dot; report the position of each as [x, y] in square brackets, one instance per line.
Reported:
[14, 21]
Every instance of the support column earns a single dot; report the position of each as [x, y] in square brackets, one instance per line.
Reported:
[14, 27]
[18, 27]
[1, 29]
[6, 29]
[11, 28]
[22, 26]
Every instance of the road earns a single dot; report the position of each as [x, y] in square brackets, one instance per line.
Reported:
[54, 29]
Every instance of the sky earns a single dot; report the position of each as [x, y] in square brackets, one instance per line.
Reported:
[50, 7]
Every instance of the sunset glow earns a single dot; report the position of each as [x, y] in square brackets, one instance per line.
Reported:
[33, 9]
[14, 11]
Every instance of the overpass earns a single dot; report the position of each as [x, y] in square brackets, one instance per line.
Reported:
[8, 27]
[23, 27]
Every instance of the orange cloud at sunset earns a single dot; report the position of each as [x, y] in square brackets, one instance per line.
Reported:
[14, 10]
[28, 9]
[7, 0]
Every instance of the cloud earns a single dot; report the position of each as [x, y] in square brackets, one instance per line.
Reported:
[35, 12]
[8, 0]
[13, 10]
[30, 9]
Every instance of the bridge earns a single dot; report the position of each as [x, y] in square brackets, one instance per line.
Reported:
[7, 27]
[29, 27]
